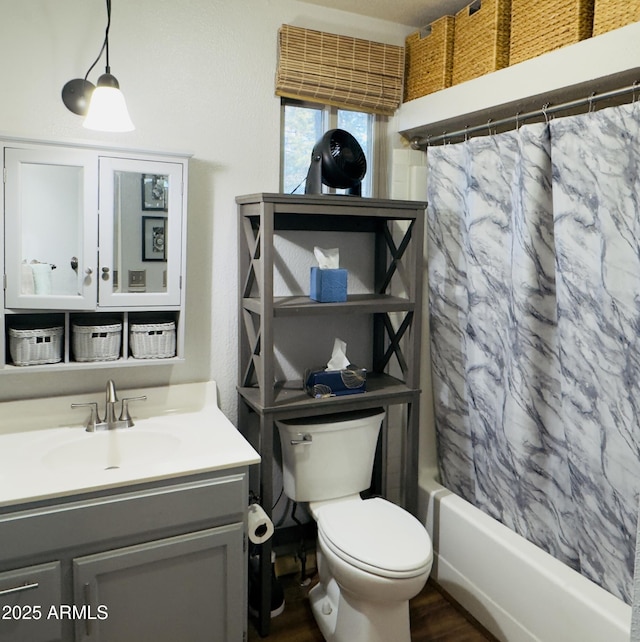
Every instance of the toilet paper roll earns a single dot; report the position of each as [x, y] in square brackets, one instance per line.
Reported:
[260, 526]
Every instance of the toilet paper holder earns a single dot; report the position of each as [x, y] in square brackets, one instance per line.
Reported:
[259, 525]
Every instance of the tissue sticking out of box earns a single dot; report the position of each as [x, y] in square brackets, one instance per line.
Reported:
[339, 377]
[328, 281]
[338, 359]
[327, 259]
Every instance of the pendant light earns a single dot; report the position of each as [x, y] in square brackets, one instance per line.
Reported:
[103, 105]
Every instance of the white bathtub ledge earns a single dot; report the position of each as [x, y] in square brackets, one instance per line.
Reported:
[516, 590]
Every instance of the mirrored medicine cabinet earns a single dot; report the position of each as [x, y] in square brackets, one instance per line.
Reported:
[94, 235]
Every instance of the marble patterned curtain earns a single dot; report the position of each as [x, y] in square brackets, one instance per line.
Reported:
[534, 276]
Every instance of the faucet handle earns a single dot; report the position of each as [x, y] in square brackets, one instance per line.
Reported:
[124, 413]
[94, 418]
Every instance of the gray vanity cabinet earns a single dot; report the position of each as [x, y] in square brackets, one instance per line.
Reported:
[181, 588]
[26, 597]
[162, 561]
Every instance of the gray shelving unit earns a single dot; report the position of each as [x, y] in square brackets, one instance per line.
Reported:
[394, 307]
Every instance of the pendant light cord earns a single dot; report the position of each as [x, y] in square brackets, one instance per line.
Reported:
[105, 44]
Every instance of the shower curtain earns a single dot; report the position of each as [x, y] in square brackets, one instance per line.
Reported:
[534, 287]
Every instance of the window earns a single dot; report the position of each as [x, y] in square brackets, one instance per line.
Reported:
[303, 125]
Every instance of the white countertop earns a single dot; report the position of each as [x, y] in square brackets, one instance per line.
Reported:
[45, 451]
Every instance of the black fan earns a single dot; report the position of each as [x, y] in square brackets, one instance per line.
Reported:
[337, 160]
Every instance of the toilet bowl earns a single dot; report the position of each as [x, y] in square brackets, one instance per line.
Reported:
[379, 557]
[373, 556]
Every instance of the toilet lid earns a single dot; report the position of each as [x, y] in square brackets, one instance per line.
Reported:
[376, 536]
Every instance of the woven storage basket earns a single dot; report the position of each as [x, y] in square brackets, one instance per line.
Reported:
[153, 340]
[35, 346]
[481, 40]
[429, 59]
[539, 27]
[96, 342]
[612, 14]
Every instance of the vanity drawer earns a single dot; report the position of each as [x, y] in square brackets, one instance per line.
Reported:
[30, 600]
[124, 517]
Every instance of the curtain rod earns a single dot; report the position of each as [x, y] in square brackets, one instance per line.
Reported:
[545, 110]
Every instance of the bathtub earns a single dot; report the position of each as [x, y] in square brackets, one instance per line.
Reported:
[512, 587]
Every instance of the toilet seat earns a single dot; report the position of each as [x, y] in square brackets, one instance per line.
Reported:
[376, 536]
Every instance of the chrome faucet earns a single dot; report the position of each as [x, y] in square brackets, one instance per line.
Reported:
[109, 422]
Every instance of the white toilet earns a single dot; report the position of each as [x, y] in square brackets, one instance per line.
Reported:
[373, 556]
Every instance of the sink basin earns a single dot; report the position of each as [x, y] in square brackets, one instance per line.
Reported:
[111, 450]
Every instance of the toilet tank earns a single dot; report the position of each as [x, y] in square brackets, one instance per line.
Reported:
[335, 458]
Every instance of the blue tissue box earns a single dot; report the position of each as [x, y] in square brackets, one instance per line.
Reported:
[328, 286]
[335, 383]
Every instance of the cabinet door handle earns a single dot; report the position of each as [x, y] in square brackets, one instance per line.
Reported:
[18, 589]
[87, 602]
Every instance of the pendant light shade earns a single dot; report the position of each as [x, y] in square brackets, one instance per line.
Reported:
[108, 110]
[104, 105]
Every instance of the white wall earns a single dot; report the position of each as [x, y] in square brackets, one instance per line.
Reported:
[198, 76]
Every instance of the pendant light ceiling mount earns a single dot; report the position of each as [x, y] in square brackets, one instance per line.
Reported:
[103, 104]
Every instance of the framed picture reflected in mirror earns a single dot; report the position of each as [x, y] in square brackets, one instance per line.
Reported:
[154, 242]
[154, 192]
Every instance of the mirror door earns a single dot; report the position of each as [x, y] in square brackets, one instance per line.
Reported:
[140, 233]
[51, 197]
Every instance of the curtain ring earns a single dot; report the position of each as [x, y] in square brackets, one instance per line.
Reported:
[544, 111]
[591, 97]
[489, 125]
[636, 84]
[517, 120]
[466, 133]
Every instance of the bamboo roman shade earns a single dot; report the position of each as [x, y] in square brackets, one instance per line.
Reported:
[339, 70]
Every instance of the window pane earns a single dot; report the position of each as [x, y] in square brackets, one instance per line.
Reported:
[304, 125]
[302, 129]
[359, 125]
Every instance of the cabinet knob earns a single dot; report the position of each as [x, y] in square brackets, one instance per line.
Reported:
[105, 270]
[88, 271]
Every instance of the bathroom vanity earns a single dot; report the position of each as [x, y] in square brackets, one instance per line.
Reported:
[133, 534]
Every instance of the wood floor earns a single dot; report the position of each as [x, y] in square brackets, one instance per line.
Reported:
[434, 618]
